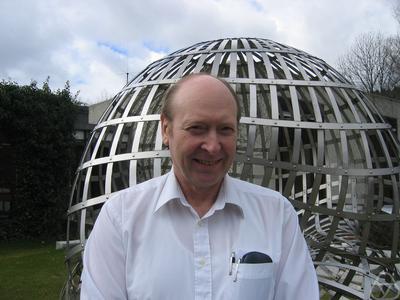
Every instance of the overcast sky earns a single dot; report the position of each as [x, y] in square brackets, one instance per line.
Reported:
[93, 43]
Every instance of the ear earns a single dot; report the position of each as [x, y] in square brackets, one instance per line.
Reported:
[165, 129]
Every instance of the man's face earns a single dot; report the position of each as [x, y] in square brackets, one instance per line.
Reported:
[202, 134]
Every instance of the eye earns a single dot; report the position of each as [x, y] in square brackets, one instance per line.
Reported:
[196, 129]
[227, 130]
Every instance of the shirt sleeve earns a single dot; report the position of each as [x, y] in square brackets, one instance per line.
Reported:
[103, 275]
[296, 276]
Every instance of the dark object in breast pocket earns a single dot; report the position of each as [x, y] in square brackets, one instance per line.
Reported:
[255, 257]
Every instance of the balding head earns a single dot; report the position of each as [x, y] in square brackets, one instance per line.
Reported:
[168, 99]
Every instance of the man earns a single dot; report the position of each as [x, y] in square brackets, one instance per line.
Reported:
[196, 233]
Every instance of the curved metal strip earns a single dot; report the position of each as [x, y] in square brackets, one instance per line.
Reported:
[257, 81]
[343, 289]
[158, 147]
[251, 136]
[344, 214]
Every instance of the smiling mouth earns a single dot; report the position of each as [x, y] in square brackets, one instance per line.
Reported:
[207, 162]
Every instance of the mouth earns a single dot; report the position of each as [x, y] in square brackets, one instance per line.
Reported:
[207, 162]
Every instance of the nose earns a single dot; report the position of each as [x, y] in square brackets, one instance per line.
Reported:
[211, 143]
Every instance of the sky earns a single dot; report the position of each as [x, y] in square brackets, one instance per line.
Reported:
[94, 43]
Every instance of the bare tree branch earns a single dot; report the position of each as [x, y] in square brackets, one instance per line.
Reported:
[396, 11]
[373, 62]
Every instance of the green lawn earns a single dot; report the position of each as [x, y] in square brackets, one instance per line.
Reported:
[31, 270]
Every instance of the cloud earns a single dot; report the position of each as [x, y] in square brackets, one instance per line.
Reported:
[94, 43]
[327, 28]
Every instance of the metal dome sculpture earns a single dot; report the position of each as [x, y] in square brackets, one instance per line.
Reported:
[305, 131]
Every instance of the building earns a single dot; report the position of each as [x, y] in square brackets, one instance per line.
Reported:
[390, 110]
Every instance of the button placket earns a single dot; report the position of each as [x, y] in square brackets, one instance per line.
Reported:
[202, 261]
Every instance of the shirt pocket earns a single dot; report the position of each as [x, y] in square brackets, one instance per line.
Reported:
[253, 281]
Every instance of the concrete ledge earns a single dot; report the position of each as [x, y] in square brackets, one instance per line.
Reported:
[60, 245]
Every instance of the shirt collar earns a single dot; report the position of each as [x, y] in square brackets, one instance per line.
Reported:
[226, 195]
[170, 191]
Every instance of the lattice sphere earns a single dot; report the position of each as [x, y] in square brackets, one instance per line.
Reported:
[305, 131]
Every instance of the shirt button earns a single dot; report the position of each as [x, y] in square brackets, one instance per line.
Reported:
[202, 262]
[199, 223]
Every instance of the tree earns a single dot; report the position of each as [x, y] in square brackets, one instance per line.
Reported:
[393, 89]
[396, 11]
[372, 63]
[39, 125]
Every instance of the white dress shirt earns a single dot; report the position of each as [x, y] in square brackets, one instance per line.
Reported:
[149, 243]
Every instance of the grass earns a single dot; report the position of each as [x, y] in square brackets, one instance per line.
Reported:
[31, 270]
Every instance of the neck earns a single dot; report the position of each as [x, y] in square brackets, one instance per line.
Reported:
[201, 199]
[201, 203]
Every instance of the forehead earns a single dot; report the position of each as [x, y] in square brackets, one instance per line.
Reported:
[204, 96]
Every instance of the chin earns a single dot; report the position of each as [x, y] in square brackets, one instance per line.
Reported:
[204, 182]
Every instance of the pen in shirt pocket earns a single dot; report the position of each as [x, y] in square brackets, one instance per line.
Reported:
[252, 257]
[231, 262]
